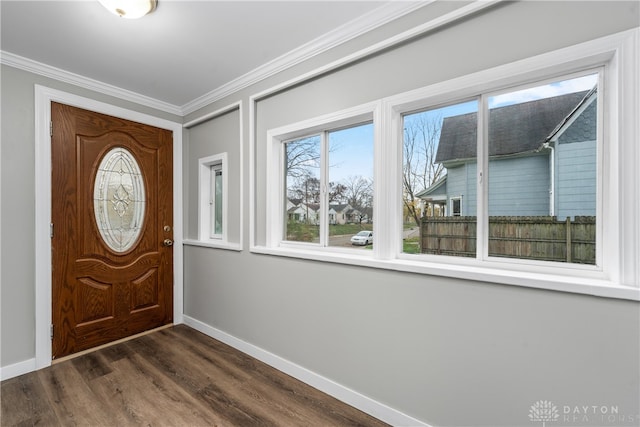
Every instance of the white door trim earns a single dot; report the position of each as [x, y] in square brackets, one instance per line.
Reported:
[43, 98]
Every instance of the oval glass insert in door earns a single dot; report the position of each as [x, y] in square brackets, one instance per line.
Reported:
[119, 199]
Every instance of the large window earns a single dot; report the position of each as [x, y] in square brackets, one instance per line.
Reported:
[520, 174]
[527, 170]
[329, 187]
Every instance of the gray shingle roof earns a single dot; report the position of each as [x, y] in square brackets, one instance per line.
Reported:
[513, 129]
[339, 207]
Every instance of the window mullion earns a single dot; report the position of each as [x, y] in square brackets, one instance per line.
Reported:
[482, 180]
[208, 206]
[387, 208]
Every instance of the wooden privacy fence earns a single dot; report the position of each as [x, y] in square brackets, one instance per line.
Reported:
[524, 237]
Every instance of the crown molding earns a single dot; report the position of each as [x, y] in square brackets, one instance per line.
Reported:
[26, 64]
[382, 15]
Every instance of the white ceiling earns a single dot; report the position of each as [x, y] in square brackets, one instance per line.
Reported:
[184, 49]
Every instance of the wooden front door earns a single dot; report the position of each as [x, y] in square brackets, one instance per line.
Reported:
[112, 228]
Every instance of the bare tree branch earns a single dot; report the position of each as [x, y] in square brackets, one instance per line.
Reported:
[359, 191]
[420, 170]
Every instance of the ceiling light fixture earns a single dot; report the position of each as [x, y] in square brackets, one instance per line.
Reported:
[130, 9]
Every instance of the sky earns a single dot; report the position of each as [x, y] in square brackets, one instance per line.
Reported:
[544, 91]
[351, 153]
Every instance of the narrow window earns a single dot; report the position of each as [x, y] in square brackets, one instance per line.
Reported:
[212, 184]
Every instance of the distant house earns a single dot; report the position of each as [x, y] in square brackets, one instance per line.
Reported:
[542, 160]
[343, 213]
[333, 215]
[302, 212]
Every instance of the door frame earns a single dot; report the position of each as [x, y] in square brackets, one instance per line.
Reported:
[43, 282]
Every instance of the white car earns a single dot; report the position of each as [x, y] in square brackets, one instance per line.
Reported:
[362, 238]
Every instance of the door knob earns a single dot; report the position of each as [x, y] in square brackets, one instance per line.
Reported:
[168, 242]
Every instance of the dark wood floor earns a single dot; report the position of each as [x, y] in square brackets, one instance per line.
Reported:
[172, 377]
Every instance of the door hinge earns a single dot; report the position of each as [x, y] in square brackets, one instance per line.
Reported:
[51, 331]
[51, 230]
[50, 128]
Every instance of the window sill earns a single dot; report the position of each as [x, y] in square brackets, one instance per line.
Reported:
[213, 244]
[579, 285]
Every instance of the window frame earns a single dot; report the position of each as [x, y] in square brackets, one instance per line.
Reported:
[617, 275]
[614, 276]
[276, 191]
[483, 166]
[207, 166]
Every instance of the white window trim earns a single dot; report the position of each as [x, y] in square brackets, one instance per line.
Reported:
[613, 278]
[618, 275]
[275, 178]
[424, 98]
[205, 191]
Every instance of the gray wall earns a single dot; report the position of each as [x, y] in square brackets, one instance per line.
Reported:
[446, 351]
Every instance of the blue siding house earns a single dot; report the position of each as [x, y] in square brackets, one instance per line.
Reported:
[542, 160]
[575, 167]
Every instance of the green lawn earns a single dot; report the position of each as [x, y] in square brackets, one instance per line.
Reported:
[342, 229]
[307, 233]
[411, 246]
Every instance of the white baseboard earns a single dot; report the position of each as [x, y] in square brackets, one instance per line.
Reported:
[342, 393]
[17, 369]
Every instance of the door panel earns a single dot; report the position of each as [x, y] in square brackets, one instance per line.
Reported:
[112, 274]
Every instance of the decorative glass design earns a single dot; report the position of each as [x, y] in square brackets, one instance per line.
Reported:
[119, 199]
